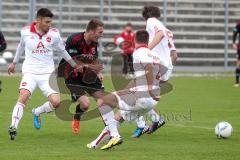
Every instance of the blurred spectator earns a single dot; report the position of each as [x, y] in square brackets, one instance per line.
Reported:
[3, 43]
[3, 46]
[236, 46]
[126, 40]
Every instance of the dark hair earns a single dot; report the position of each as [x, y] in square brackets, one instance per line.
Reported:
[129, 25]
[44, 12]
[142, 36]
[93, 24]
[150, 11]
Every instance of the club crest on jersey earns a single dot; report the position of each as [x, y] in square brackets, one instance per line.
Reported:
[93, 51]
[24, 84]
[48, 39]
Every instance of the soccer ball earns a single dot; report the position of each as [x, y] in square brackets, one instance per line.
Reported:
[7, 55]
[119, 40]
[223, 130]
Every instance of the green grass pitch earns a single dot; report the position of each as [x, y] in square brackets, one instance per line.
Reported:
[192, 110]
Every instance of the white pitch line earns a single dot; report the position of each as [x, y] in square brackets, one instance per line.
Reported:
[182, 125]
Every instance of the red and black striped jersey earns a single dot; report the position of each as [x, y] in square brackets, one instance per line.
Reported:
[76, 46]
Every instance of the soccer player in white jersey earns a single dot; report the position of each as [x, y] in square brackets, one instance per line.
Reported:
[161, 42]
[38, 41]
[134, 101]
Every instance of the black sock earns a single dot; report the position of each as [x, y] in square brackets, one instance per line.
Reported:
[78, 112]
[237, 75]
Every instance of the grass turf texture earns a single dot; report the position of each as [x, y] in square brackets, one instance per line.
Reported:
[192, 110]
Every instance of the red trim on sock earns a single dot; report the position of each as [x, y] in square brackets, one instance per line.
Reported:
[104, 134]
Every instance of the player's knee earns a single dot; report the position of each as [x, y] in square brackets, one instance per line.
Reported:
[85, 104]
[55, 103]
[24, 96]
[118, 117]
[100, 102]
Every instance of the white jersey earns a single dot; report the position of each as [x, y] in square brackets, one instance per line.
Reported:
[166, 45]
[39, 49]
[141, 57]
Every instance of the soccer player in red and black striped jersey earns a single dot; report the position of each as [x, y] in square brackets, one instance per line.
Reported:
[236, 46]
[83, 48]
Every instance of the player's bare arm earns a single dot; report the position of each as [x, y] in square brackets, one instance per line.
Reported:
[97, 67]
[174, 56]
[19, 52]
[156, 40]
[149, 76]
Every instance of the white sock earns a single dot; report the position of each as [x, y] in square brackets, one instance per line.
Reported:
[108, 117]
[140, 122]
[154, 115]
[104, 135]
[17, 114]
[45, 108]
[113, 128]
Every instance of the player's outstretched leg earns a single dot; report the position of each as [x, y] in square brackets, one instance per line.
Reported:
[36, 120]
[157, 121]
[114, 141]
[77, 116]
[103, 136]
[16, 117]
[105, 108]
[76, 120]
[113, 130]
[17, 113]
[155, 126]
[83, 105]
[142, 127]
[12, 132]
[47, 107]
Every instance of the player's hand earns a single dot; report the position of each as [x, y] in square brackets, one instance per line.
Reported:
[156, 98]
[235, 46]
[11, 68]
[79, 68]
[95, 67]
[100, 76]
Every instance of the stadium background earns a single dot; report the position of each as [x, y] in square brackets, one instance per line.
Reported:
[202, 29]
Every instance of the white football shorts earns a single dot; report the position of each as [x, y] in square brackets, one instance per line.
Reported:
[132, 107]
[31, 81]
[167, 75]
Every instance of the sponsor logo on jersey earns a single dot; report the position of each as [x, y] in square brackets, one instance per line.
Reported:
[40, 44]
[41, 51]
